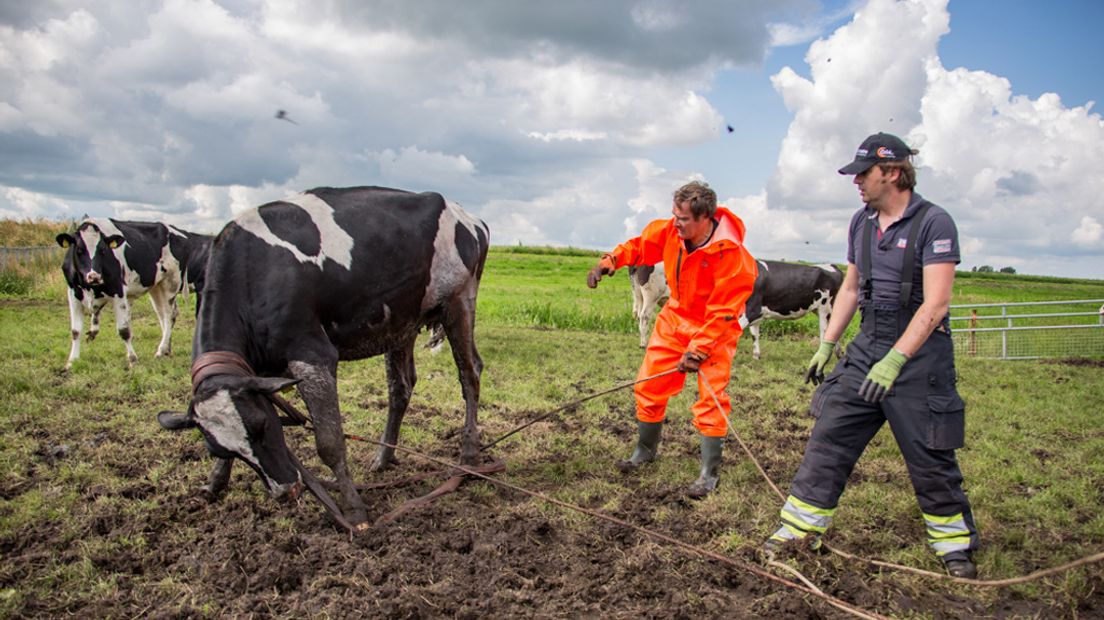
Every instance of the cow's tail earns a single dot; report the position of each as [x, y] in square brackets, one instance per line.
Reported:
[436, 338]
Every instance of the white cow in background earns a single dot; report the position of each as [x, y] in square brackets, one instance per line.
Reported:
[649, 290]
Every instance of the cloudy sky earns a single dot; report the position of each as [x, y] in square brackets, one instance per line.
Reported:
[568, 122]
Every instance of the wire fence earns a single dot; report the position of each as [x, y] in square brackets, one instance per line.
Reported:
[34, 257]
[1029, 330]
[21, 266]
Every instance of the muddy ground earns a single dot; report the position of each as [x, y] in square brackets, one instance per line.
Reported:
[482, 552]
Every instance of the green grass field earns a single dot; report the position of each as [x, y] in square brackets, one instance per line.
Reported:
[84, 447]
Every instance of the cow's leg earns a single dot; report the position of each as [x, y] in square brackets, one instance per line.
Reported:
[76, 319]
[164, 306]
[219, 478]
[754, 329]
[639, 309]
[460, 328]
[122, 325]
[648, 315]
[401, 377]
[637, 299]
[94, 310]
[318, 387]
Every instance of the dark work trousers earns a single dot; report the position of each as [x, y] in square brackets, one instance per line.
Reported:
[924, 412]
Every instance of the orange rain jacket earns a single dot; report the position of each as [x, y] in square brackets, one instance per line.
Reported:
[709, 288]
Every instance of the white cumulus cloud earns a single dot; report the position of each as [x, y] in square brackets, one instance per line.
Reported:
[1012, 170]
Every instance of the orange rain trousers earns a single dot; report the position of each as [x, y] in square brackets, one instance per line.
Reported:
[668, 343]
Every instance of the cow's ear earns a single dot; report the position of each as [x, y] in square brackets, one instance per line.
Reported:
[65, 240]
[114, 241]
[175, 420]
[271, 385]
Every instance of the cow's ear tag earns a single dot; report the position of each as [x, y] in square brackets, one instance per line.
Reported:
[64, 243]
[113, 244]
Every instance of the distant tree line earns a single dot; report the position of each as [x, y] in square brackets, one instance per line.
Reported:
[988, 269]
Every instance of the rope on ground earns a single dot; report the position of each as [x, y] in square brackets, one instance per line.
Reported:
[1097, 557]
[831, 600]
[576, 403]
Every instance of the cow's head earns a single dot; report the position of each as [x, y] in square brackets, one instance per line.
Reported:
[90, 252]
[237, 420]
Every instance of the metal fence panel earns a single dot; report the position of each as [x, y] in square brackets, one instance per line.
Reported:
[30, 257]
[1023, 330]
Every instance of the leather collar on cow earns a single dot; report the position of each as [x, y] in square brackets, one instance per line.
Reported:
[219, 363]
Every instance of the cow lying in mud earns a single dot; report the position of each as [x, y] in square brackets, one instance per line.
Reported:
[296, 285]
[110, 260]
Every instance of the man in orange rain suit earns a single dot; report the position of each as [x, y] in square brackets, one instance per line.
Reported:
[711, 275]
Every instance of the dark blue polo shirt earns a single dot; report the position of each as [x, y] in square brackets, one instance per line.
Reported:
[936, 243]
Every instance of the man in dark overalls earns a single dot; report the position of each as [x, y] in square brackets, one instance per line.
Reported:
[900, 368]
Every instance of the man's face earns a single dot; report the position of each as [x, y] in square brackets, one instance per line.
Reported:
[690, 228]
[875, 185]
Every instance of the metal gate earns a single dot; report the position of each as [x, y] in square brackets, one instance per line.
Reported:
[1026, 330]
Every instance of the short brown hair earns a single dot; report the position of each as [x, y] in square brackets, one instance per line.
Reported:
[702, 199]
[907, 179]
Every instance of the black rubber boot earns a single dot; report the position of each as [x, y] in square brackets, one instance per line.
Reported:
[647, 446]
[711, 448]
[962, 567]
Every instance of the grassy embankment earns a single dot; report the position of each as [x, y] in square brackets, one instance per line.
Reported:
[77, 446]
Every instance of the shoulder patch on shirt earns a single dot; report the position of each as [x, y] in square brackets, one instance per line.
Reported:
[941, 246]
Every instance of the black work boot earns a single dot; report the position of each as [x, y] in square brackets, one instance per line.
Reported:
[647, 446]
[962, 567]
[711, 448]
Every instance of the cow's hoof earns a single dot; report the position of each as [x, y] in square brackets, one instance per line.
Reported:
[209, 493]
[359, 517]
[383, 463]
[90, 336]
[469, 458]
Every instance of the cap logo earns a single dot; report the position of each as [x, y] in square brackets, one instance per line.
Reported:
[884, 152]
[861, 153]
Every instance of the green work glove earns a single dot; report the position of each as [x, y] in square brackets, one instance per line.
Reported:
[820, 359]
[881, 377]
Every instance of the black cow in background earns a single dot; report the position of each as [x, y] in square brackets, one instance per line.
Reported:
[115, 261]
[787, 291]
[297, 285]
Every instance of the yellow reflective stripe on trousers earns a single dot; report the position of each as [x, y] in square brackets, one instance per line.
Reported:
[806, 517]
[947, 534]
[787, 532]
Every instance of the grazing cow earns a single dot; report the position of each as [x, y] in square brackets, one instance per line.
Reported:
[649, 290]
[787, 291]
[111, 260]
[296, 285]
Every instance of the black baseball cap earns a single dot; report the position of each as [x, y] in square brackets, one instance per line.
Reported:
[876, 149]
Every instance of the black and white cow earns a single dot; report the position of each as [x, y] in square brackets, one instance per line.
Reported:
[332, 274]
[789, 291]
[115, 261]
[649, 290]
